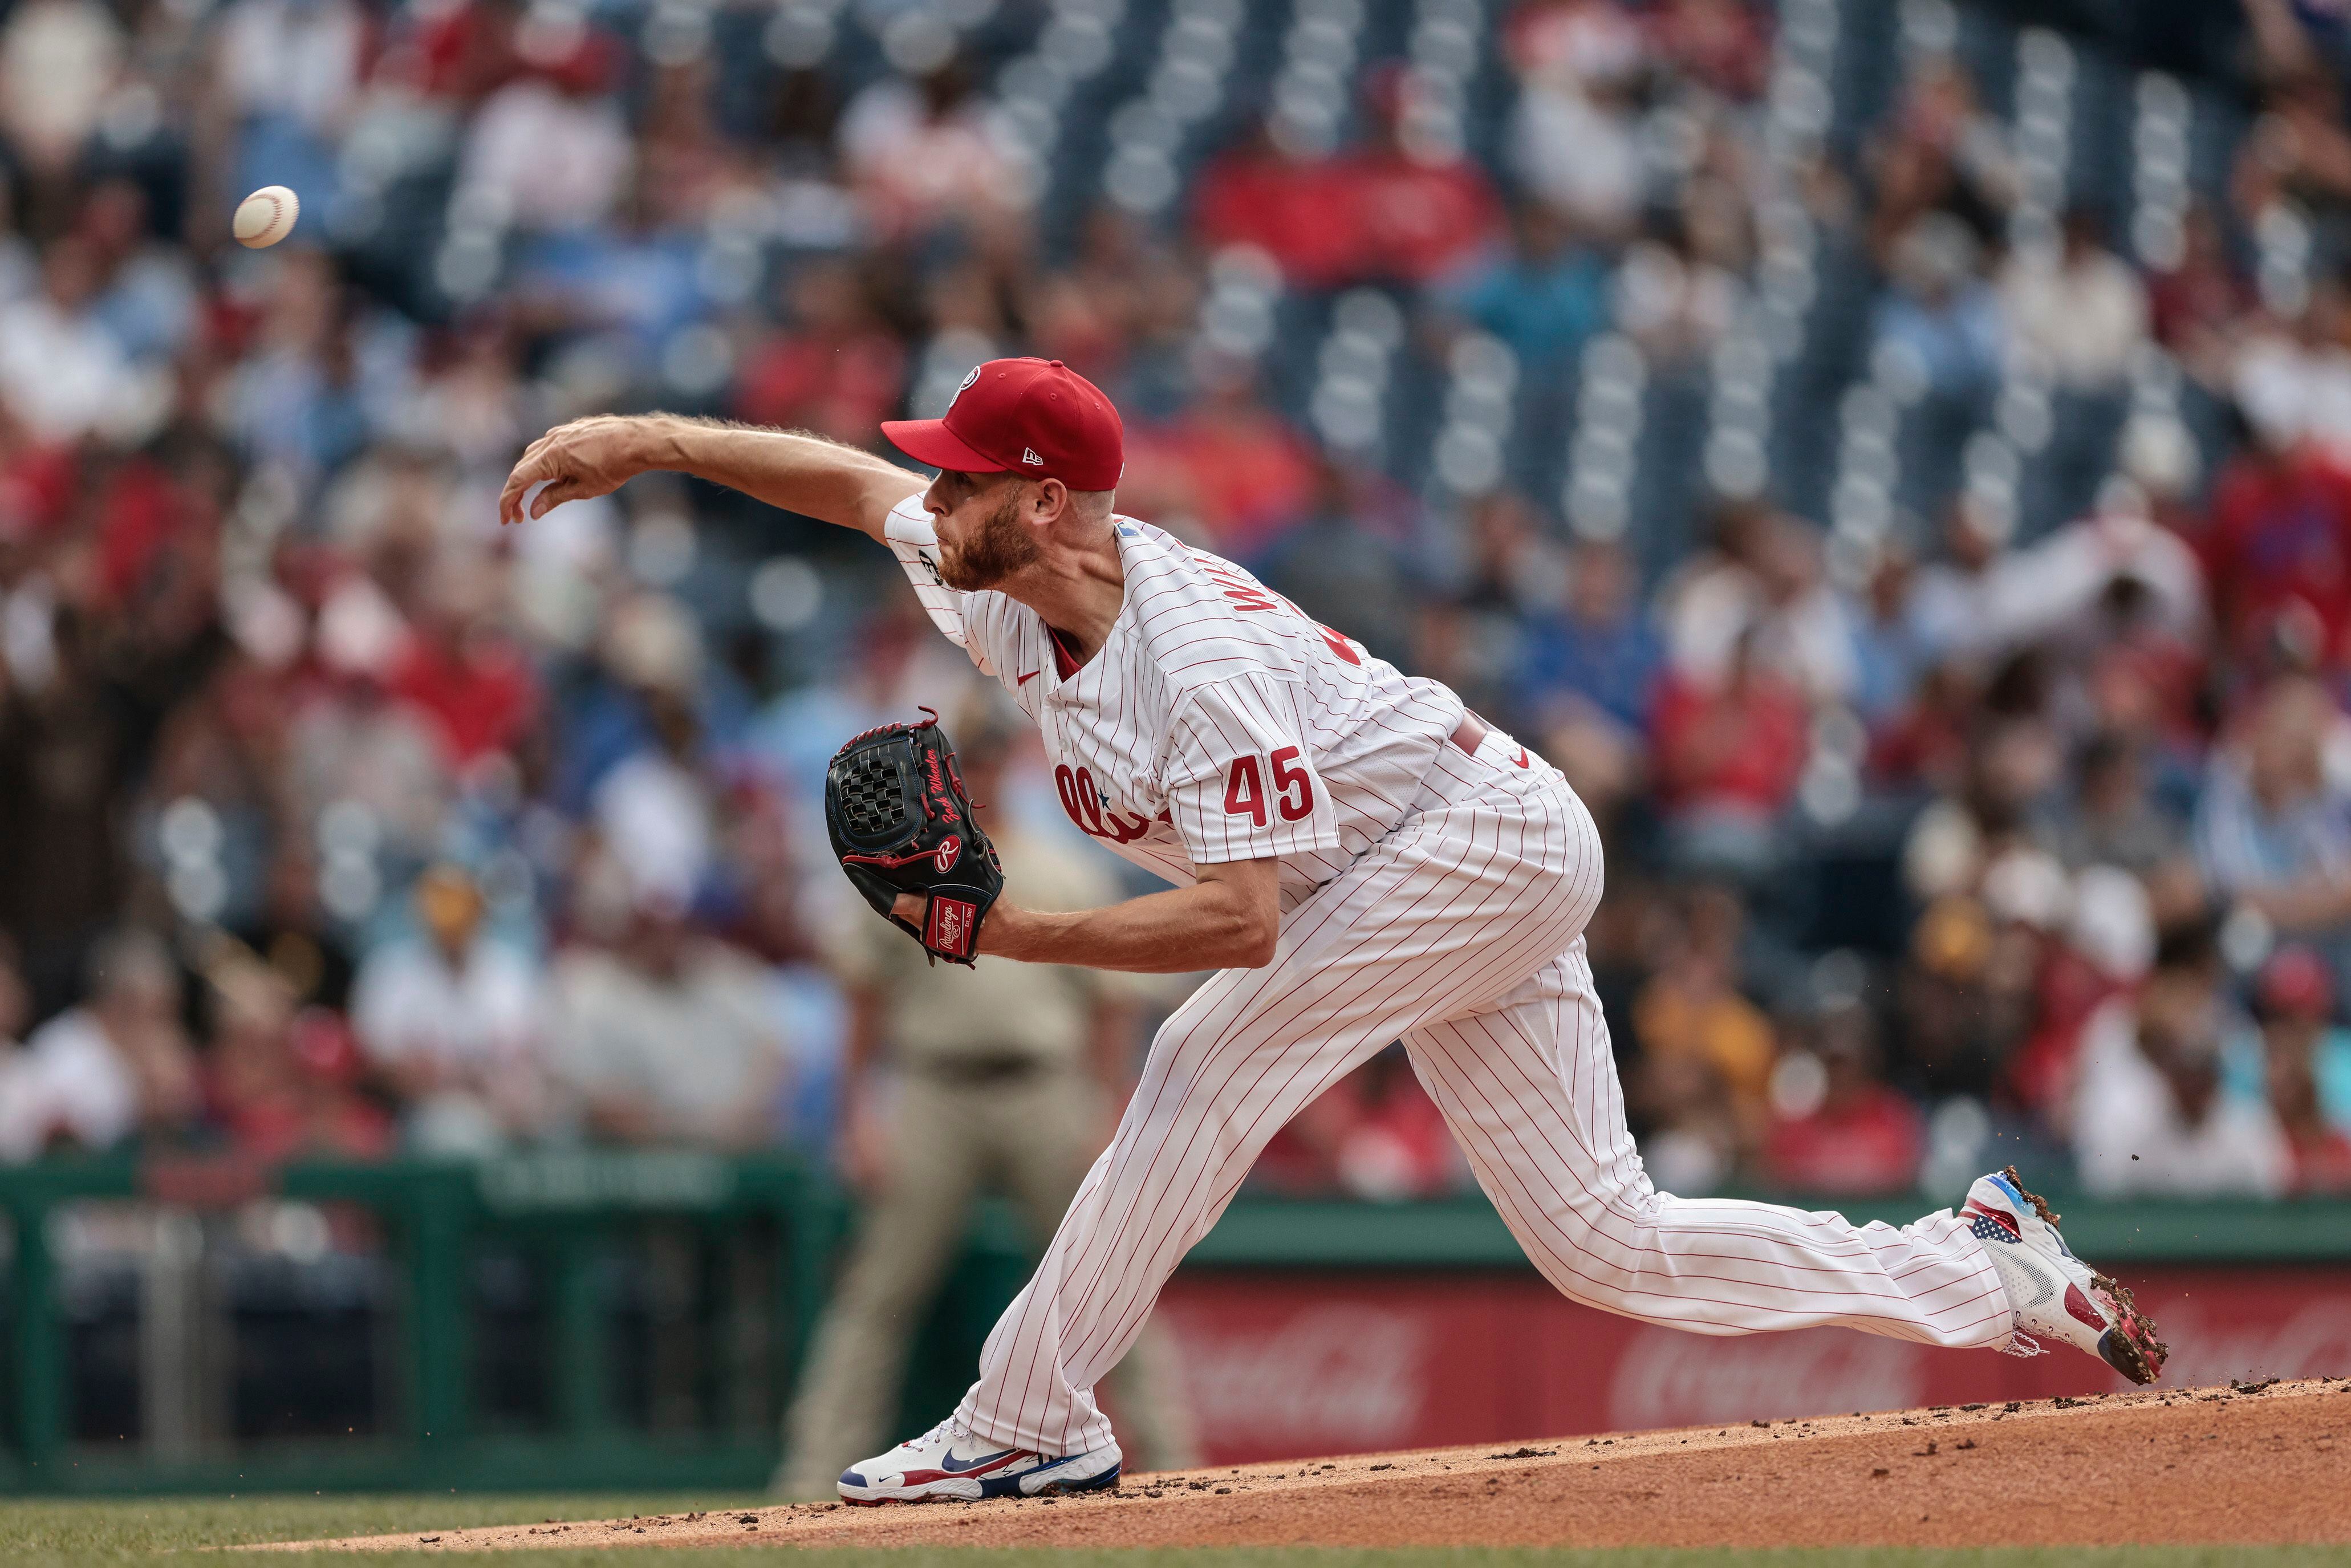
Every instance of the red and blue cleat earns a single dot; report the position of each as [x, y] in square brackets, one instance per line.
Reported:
[948, 1464]
[2054, 1293]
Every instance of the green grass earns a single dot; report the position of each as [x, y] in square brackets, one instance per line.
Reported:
[76, 1534]
[59, 1533]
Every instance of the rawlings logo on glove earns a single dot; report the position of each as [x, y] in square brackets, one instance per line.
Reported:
[901, 822]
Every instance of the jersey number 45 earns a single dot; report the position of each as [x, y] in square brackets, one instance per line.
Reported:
[1293, 788]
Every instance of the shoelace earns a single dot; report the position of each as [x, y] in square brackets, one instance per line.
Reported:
[955, 1429]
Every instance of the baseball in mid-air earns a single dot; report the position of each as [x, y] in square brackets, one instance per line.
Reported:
[264, 217]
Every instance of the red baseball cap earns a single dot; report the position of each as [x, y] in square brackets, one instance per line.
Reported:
[1037, 418]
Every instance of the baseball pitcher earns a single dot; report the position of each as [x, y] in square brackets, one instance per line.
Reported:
[1361, 859]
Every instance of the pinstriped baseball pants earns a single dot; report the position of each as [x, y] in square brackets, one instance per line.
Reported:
[1461, 934]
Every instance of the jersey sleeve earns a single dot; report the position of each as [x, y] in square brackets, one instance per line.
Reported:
[909, 534]
[1240, 782]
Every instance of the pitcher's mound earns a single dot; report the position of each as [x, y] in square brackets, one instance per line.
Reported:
[2244, 1463]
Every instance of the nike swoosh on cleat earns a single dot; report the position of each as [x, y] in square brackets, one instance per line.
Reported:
[2078, 1306]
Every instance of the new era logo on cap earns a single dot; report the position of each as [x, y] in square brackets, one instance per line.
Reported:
[1037, 417]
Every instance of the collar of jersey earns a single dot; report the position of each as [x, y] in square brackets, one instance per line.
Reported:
[1128, 535]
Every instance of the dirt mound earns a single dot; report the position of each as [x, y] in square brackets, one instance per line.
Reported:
[2240, 1464]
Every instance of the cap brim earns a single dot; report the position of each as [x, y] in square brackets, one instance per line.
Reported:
[931, 442]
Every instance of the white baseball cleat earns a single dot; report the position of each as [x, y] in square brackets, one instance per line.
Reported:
[947, 1464]
[2054, 1292]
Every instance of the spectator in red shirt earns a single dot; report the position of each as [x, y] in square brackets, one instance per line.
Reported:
[2278, 552]
[1838, 1129]
[1924, 744]
[1393, 211]
[1728, 758]
[462, 52]
[284, 1083]
[38, 479]
[157, 520]
[466, 677]
[1721, 43]
[836, 369]
[1425, 210]
[1229, 462]
[1289, 206]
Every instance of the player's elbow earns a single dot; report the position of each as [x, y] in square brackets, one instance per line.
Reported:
[1255, 950]
[1251, 932]
[1244, 914]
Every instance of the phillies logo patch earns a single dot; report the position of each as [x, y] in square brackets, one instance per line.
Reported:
[951, 925]
[969, 377]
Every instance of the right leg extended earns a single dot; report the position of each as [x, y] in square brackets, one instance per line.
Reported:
[1530, 1089]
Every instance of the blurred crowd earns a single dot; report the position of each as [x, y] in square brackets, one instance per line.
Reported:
[2016, 824]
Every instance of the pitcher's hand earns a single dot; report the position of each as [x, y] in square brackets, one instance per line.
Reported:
[591, 456]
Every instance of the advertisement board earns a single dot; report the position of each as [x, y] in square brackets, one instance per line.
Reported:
[1284, 1365]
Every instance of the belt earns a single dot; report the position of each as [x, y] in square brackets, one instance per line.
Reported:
[1472, 735]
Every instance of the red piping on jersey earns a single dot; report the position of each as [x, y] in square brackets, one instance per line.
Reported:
[1065, 662]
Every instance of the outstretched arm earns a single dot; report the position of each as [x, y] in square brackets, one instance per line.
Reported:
[798, 472]
[1229, 919]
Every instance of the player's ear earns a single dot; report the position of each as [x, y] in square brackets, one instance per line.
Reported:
[1051, 500]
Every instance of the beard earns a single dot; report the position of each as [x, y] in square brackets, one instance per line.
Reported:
[997, 547]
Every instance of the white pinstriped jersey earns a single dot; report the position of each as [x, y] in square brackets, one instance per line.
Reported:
[1432, 894]
[1215, 723]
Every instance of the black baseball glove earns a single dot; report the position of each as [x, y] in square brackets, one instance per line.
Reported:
[901, 822]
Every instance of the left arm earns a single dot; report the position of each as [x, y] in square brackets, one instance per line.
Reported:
[1229, 919]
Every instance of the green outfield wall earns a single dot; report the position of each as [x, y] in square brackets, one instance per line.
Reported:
[748, 1246]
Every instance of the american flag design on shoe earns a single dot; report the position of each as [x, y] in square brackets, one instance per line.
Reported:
[2052, 1292]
